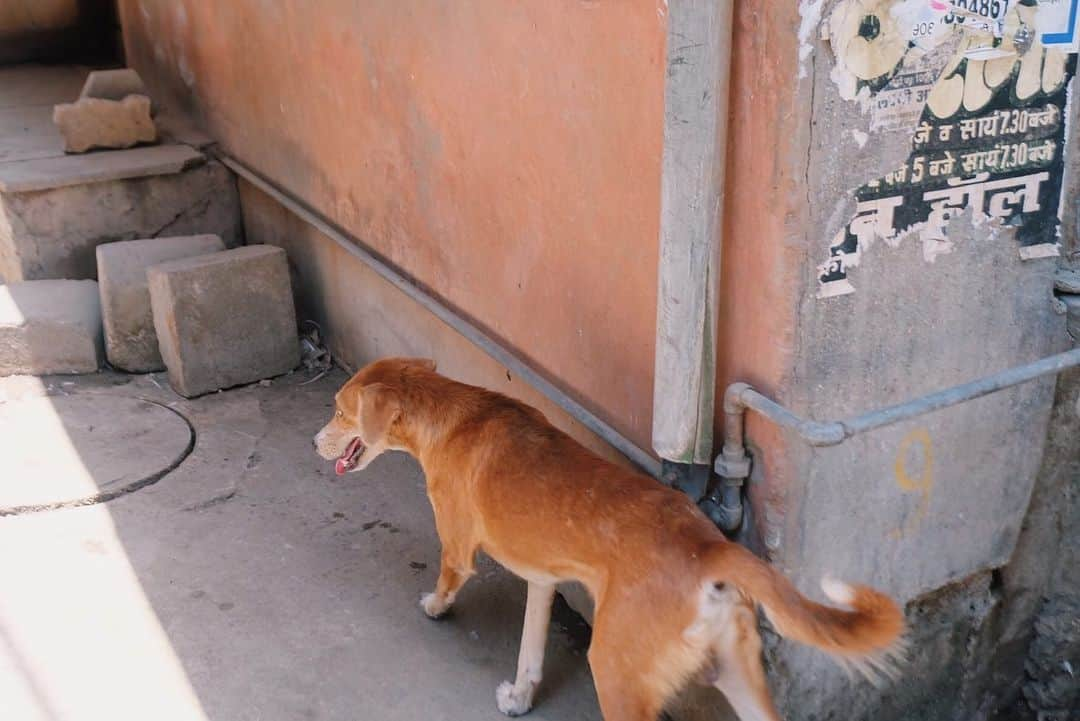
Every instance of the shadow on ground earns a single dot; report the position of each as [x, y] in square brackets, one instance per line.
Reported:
[250, 582]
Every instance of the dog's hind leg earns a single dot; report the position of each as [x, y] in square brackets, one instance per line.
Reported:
[738, 672]
[516, 698]
[623, 692]
[621, 667]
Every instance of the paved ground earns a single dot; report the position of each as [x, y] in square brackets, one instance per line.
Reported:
[27, 96]
[251, 583]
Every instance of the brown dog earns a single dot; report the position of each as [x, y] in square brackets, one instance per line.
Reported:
[674, 599]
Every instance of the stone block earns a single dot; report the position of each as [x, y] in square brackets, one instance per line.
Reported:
[113, 84]
[224, 319]
[52, 232]
[130, 341]
[97, 123]
[50, 326]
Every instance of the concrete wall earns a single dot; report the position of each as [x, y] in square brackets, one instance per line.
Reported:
[767, 205]
[367, 318]
[931, 510]
[51, 30]
[508, 154]
[505, 155]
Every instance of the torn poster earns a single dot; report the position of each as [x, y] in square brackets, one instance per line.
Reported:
[989, 139]
[1059, 23]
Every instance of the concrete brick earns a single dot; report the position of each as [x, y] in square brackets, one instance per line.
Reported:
[113, 84]
[224, 319]
[96, 123]
[53, 233]
[50, 326]
[130, 341]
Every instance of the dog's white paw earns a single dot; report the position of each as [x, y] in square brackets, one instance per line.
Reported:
[434, 605]
[512, 703]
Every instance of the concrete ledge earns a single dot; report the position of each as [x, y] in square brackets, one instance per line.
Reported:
[54, 233]
[50, 326]
[49, 173]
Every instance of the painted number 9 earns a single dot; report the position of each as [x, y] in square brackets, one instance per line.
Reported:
[921, 483]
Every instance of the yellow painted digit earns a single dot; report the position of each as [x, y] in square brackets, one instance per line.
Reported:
[925, 480]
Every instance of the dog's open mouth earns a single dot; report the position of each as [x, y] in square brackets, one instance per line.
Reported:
[348, 460]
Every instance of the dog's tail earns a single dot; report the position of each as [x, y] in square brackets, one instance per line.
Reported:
[866, 634]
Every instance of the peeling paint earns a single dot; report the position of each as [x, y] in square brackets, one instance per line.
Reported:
[810, 18]
[990, 133]
[1039, 251]
[867, 42]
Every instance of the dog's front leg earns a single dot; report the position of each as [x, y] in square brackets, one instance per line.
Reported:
[454, 570]
[516, 698]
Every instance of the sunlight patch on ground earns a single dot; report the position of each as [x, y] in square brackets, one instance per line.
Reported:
[79, 639]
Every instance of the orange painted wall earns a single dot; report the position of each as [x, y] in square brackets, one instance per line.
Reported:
[764, 247]
[507, 155]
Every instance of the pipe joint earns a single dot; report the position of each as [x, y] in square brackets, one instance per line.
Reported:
[733, 400]
[733, 464]
[822, 434]
[724, 506]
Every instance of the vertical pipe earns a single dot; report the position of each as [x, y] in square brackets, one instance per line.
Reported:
[691, 214]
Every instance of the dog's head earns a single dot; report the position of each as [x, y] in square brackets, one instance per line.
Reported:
[367, 414]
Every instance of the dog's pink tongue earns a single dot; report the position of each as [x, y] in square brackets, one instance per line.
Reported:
[344, 461]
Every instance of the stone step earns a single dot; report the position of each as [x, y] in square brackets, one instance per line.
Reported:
[55, 209]
[54, 215]
[50, 326]
[59, 172]
[130, 342]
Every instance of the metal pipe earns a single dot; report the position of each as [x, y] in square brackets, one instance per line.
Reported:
[724, 504]
[733, 465]
[440, 310]
[834, 432]
[959, 394]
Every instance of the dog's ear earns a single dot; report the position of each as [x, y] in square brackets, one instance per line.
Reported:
[380, 406]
